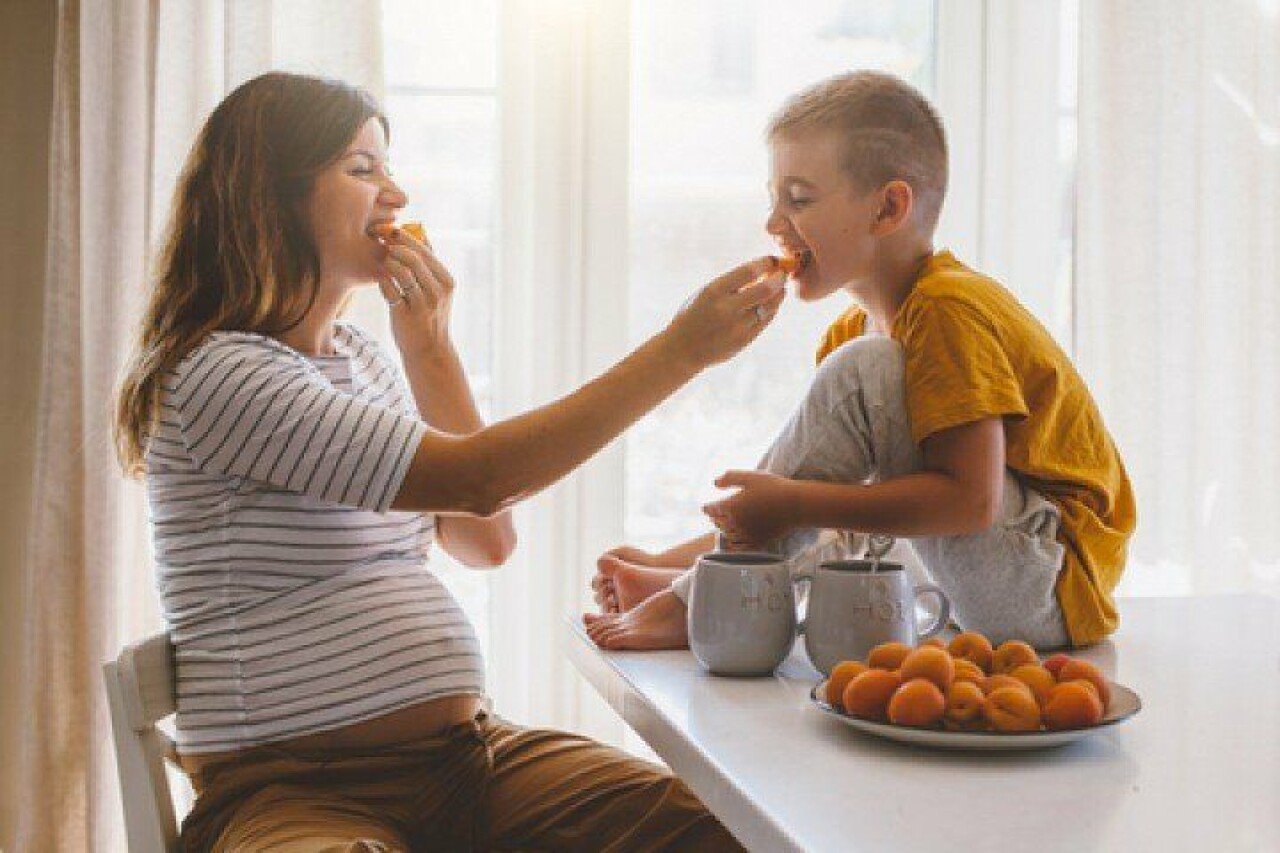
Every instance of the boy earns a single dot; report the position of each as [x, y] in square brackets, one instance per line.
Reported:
[941, 411]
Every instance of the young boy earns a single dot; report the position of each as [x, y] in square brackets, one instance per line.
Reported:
[941, 411]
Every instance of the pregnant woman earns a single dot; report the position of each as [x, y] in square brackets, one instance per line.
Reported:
[330, 690]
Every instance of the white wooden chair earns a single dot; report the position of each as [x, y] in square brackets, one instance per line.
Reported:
[140, 692]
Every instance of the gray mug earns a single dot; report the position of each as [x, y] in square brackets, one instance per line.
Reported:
[742, 612]
[855, 605]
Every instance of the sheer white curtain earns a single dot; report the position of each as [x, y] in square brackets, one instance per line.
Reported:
[133, 80]
[1178, 283]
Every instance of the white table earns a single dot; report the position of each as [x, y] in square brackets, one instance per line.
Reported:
[1197, 769]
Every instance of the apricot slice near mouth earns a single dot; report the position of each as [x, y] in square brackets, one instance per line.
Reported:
[415, 230]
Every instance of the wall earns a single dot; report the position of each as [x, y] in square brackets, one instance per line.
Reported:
[26, 92]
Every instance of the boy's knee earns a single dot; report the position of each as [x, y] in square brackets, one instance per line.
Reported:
[863, 364]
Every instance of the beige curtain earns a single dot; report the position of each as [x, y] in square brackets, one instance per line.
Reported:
[1178, 303]
[133, 81]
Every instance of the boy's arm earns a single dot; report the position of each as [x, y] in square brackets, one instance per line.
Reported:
[957, 491]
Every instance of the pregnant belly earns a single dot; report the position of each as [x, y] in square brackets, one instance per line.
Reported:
[407, 724]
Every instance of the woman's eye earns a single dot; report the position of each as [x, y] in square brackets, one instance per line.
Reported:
[800, 202]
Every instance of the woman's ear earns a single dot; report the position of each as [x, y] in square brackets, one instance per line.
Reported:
[896, 203]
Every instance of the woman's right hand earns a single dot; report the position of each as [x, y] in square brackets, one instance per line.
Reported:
[728, 313]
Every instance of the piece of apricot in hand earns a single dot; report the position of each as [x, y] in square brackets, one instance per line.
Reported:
[841, 674]
[888, 655]
[415, 230]
[933, 664]
[1012, 654]
[917, 703]
[972, 646]
[1073, 705]
[789, 264]
[868, 695]
[1009, 709]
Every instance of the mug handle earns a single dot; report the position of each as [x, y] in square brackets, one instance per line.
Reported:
[944, 609]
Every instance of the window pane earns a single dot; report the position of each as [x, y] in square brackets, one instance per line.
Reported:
[440, 44]
[705, 78]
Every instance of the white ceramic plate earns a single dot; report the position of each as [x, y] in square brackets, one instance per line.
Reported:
[1124, 704]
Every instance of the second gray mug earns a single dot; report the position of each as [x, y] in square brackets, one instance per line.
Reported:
[855, 605]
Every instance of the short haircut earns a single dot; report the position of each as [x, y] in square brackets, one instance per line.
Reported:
[887, 131]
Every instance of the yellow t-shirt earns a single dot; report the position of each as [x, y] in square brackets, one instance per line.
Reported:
[973, 352]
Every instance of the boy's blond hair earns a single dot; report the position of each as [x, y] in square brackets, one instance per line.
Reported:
[888, 131]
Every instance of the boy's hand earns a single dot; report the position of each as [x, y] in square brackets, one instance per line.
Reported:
[760, 511]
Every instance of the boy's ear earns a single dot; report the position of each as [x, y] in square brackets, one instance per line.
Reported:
[896, 203]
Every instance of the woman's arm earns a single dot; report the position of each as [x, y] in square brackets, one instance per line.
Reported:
[487, 471]
[445, 401]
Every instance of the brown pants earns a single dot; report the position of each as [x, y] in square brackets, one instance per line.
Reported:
[481, 785]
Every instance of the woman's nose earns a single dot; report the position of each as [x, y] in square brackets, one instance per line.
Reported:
[392, 194]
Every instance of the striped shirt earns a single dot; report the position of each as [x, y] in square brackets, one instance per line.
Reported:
[296, 601]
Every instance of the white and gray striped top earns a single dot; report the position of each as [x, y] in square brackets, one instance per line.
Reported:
[296, 601]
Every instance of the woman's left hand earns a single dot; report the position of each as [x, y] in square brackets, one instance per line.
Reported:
[420, 290]
[758, 513]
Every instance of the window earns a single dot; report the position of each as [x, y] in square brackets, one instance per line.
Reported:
[698, 202]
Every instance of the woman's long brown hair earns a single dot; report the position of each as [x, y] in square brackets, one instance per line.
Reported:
[238, 253]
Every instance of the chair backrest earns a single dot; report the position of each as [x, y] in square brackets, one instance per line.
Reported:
[140, 691]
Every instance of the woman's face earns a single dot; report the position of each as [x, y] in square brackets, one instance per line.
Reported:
[350, 196]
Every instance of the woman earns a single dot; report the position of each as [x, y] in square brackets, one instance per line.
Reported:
[329, 688]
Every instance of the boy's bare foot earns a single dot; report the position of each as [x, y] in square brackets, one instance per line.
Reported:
[621, 585]
[656, 623]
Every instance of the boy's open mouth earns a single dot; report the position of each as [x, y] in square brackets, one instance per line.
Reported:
[794, 262]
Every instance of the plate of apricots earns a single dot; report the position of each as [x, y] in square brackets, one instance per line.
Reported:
[969, 695]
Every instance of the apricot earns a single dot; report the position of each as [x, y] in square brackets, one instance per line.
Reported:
[387, 230]
[918, 703]
[996, 682]
[868, 695]
[1073, 705]
[841, 674]
[933, 642]
[1012, 654]
[967, 670]
[1053, 663]
[1009, 709]
[1039, 679]
[964, 706]
[789, 263]
[888, 655]
[929, 663]
[1076, 668]
[973, 647]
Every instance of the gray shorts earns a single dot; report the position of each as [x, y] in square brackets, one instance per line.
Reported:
[852, 427]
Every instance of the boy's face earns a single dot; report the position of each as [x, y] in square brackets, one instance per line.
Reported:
[817, 209]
